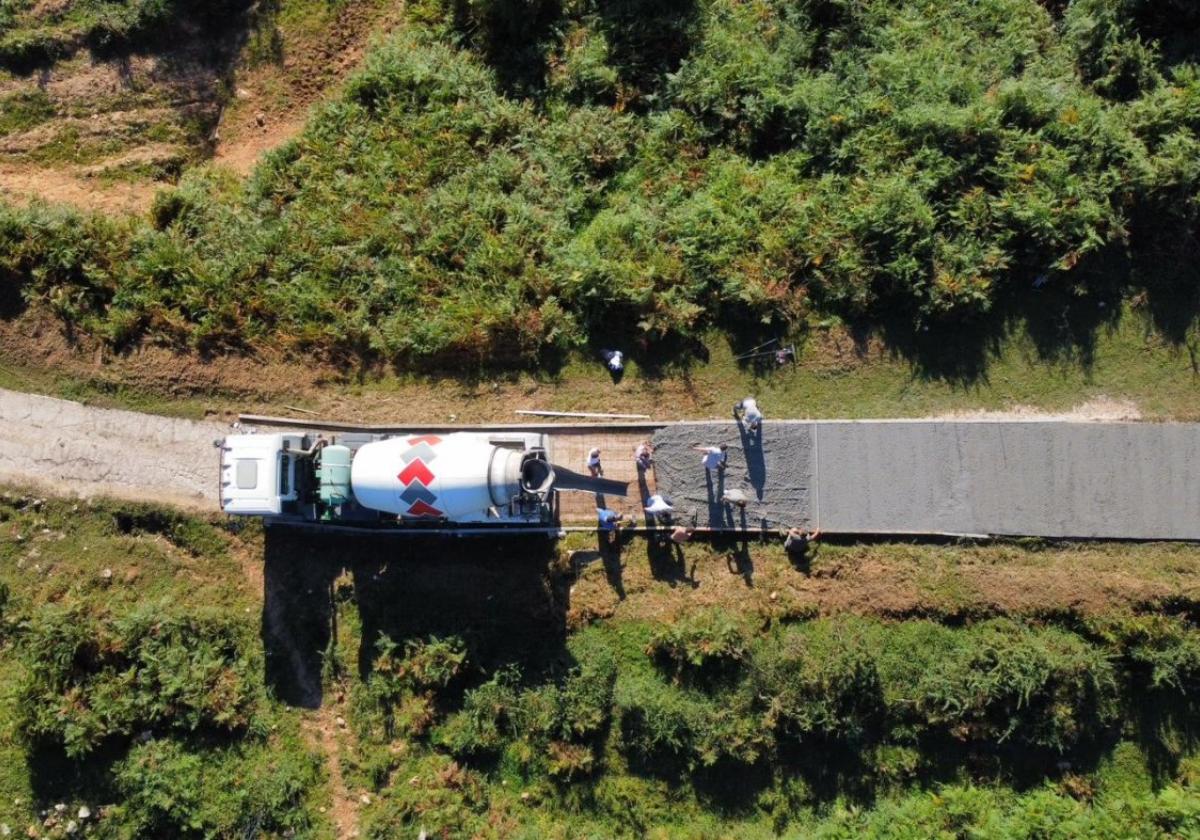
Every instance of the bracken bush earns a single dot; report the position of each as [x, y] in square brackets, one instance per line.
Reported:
[820, 684]
[257, 788]
[814, 711]
[553, 728]
[965, 810]
[648, 172]
[91, 681]
[400, 697]
[35, 34]
[700, 646]
[1010, 685]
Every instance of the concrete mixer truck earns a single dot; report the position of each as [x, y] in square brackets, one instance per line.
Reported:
[400, 480]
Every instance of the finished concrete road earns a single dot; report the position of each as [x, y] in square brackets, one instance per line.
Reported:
[1036, 478]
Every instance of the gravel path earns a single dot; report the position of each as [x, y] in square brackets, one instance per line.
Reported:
[66, 447]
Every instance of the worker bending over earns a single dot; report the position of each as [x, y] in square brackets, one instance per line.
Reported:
[747, 410]
[714, 457]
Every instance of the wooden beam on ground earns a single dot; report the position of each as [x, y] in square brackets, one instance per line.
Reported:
[587, 415]
[435, 428]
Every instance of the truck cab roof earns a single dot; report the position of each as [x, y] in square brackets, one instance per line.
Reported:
[257, 473]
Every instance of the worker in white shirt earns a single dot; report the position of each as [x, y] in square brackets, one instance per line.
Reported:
[714, 457]
[747, 410]
[643, 455]
[656, 504]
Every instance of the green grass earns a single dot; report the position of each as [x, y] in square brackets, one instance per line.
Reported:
[24, 110]
[32, 35]
[68, 147]
[102, 563]
[1128, 363]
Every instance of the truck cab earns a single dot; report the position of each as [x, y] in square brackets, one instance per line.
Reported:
[259, 474]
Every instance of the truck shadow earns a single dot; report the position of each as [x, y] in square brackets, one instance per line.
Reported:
[502, 595]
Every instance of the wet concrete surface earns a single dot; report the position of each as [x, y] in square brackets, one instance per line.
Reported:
[1053, 479]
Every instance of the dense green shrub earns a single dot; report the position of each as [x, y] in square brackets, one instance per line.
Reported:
[700, 645]
[167, 790]
[659, 725]
[401, 695]
[969, 811]
[1008, 684]
[820, 682]
[646, 172]
[89, 681]
[444, 799]
[556, 724]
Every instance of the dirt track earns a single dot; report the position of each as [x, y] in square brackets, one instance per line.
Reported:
[70, 448]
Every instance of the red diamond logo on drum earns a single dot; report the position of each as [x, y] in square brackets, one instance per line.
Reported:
[416, 471]
[417, 476]
[422, 509]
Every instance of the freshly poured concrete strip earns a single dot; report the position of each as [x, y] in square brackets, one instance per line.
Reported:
[1054, 479]
[775, 471]
[64, 446]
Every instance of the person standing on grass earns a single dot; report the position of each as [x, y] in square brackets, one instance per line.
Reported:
[610, 524]
[714, 457]
[614, 360]
[798, 540]
[747, 410]
[682, 535]
[593, 463]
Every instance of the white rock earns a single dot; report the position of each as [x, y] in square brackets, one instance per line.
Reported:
[84, 812]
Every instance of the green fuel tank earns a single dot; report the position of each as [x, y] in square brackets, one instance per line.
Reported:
[333, 475]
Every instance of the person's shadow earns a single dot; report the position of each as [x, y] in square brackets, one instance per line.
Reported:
[667, 561]
[801, 556]
[643, 486]
[738, 559]
[752, 450]
[608, 544]
[716, 508]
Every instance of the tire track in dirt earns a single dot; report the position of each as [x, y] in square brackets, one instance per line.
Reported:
[323, 731]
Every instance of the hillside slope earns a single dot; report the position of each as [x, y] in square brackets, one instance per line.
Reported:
[497, 189]
[103, 103]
